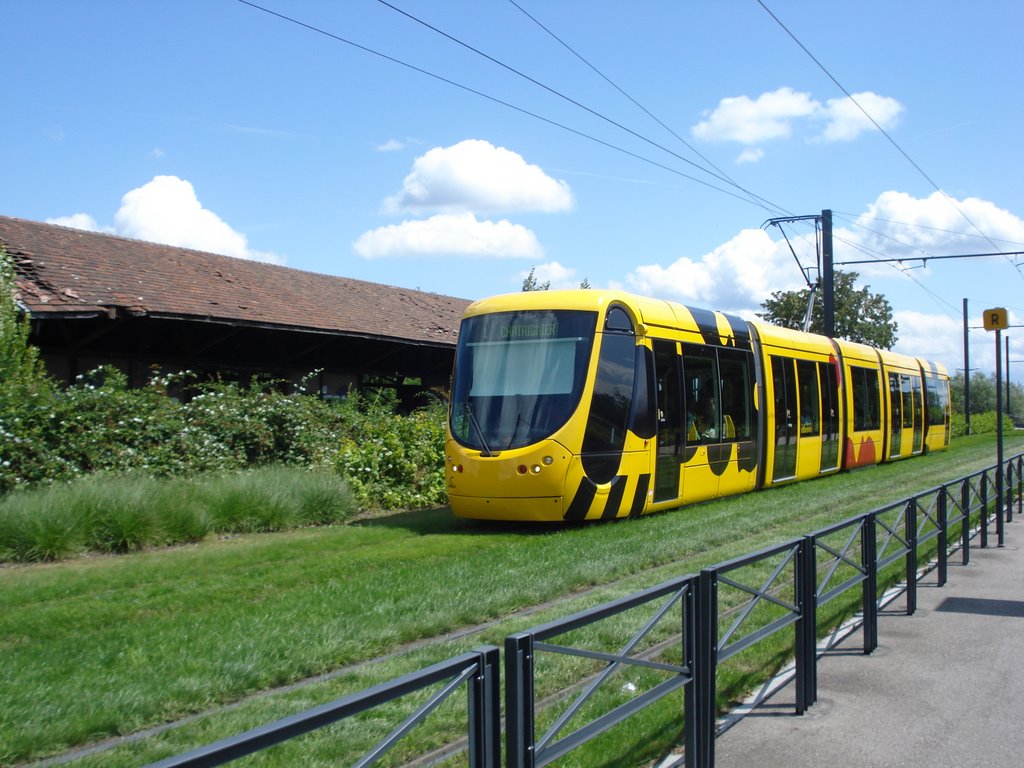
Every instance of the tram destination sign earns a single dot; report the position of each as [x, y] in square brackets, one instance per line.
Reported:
[995, 319]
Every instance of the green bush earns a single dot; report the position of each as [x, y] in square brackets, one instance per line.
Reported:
[981, 424]
[395, 461]
[100, 425]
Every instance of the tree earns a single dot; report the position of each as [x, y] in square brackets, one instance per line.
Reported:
[860, 315]
[530, 282]
[21, 370]
[983, 394]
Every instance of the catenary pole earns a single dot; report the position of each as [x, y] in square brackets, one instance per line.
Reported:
[828, 299]
[967, 375]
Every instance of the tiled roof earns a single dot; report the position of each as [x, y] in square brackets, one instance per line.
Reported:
[64, 271]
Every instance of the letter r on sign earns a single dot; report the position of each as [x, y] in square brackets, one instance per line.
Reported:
[995, 319]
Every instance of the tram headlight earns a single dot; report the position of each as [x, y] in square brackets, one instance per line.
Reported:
[535, 469]
[548, 461]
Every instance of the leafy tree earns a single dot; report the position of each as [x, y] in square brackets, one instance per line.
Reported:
[983, 395]
[530, 282]
[21, 370]
[860, 315]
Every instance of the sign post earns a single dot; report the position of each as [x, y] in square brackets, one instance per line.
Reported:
[996, 320]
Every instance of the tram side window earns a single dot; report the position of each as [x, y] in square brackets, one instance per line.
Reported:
[895, 402]
[700, 375]
[829, 399]
[865, 398]
[737, 406]
[936, 401]
[610, 405]
[810, 409]
[908, 402]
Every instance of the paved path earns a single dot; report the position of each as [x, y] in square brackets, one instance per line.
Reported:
[944, 688]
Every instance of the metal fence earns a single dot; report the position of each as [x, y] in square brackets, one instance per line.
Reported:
[575, 678]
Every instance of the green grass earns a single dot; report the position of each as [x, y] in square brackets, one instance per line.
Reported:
[108, 645]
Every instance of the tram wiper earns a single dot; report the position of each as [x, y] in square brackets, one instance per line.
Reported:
[480, 433]
[515, 431]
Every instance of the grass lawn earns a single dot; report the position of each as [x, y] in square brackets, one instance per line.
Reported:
[97, 647]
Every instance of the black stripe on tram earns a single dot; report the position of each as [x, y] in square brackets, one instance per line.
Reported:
[640, 497]
[615, 493]
[581, 501]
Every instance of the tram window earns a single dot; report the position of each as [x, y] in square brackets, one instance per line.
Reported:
[609, 407]
[642, 414]
[865, 398]
[810, 409]
[829, 399]
[895, 403]
[700, 376]
[737, 408]
[618, 321]
[828, 377]
[936, 401]
[908, 402]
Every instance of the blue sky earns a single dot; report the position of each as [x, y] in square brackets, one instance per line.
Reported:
[643, 149]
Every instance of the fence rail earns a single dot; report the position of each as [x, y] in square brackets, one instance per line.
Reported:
[672, 636]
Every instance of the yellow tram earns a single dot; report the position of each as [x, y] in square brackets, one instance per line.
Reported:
[589, 405]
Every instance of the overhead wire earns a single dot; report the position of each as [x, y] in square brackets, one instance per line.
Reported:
[885, 133]
[761, 202]
[448, 81]
[618, 88]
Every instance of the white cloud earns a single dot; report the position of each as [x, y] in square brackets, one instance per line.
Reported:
[476, 176]
[80, 221]
[750, 155]
[781, 113]
[735, 276]
[166, 210]
[901, 225]
[391, 145]
[846, 121]
[449, 235]
[932, 337]
[750, 121]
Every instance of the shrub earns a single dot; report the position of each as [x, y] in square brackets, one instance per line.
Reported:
[395, 461]
[981, 424]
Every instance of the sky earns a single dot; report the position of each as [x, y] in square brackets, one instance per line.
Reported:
[452, 146]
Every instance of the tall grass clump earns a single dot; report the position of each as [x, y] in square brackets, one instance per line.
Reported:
[125, 513]
[36, 527]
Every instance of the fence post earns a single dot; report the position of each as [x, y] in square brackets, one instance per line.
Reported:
[869, 590]
[965, 528]
[910, 523]
[1020, 484]
[983, 522]
[1008, 490]
[706, 667]
[485, 711]
[943, 539]
[519, 723]
[805, 588]
[691, 691]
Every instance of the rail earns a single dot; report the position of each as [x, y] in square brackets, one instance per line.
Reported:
[575, 678]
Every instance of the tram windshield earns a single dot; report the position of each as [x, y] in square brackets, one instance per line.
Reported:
[518, 376]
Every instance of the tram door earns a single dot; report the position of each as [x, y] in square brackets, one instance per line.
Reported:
[784, 386]
[670, 421]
